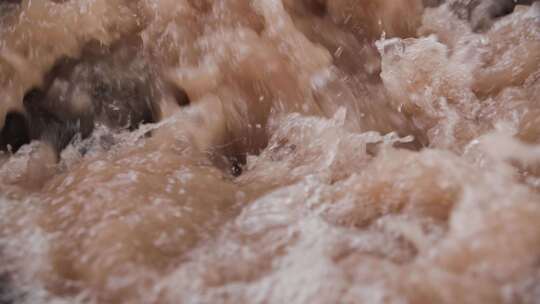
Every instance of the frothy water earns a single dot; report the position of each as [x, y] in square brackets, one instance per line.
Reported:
[268, 151]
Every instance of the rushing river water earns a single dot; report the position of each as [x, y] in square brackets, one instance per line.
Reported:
[268, 151]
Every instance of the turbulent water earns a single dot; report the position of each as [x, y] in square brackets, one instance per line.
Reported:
[268, 151]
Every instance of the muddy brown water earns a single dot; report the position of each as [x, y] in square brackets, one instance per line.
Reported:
[268, 151]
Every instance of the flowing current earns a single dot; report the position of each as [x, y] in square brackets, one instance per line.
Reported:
[268, 151]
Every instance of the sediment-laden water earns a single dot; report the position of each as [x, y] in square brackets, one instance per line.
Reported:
[268, 151]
